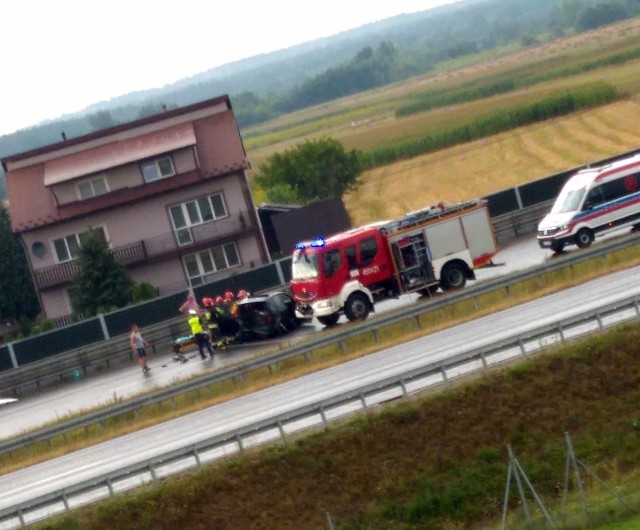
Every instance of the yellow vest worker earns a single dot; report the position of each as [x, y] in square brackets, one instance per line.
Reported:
[198, 332]
[195, 324]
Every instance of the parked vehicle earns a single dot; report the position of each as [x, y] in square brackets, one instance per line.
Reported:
[593, 202]
[437, 247]
[266, 316]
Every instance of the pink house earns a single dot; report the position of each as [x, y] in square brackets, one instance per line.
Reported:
[169, 192]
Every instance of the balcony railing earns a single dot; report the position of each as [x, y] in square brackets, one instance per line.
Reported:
[154, 247]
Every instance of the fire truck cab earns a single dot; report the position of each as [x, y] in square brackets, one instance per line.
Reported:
[341, 273]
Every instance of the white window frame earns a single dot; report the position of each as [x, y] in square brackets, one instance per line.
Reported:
[195, 206]
[155, 164]
[227, 256]
[66, 240]
[92, 182]
[67, 295]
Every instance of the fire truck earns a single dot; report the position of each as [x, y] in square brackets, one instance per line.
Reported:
[436, 247]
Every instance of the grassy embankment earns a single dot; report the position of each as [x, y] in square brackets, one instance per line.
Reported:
[590, 131]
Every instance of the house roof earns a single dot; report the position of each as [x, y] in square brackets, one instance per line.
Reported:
[277, 207]
[117, 153]
[52, 148]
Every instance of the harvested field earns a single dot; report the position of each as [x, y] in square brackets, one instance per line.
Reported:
[496, 163]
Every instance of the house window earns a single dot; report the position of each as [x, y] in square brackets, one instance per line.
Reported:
[69, 294]
[196, 212]
[158, 169]
[92, 187]
[67, 248]
[209, 261]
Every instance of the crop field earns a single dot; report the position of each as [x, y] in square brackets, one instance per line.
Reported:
[482, 167]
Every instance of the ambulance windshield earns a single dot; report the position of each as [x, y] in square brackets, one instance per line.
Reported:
[568, 201]
[304, 265]
[572, 194]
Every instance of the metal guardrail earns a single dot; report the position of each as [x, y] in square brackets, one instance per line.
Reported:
[516, 224]
[305, 349]
[86, 359]
[150, 469]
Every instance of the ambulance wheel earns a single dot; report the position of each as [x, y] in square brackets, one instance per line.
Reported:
[557, 247]
[454, 276]
[329, 320]
[357, 307]
[584, 238]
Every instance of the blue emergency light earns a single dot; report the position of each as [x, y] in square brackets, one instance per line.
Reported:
[314, 243]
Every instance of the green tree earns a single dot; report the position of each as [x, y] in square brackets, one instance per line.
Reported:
[17, 295]
[101, 120]
[102, 283]
[601, 15]
[312, 171]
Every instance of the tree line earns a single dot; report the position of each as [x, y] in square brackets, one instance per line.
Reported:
[389, 63]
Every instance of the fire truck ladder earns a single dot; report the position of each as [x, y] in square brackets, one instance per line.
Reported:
[433, 212]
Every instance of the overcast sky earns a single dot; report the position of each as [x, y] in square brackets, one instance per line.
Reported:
[59, 56]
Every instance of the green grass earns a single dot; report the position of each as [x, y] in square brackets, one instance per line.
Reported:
[633, 523]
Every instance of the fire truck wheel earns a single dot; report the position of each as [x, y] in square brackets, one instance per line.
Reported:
[584, 237]
[453, 277]
[329, 320]
[357, 307]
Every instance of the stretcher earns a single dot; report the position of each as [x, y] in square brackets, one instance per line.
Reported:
[181, 343]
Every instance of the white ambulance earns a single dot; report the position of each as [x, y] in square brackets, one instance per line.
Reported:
[593, 202]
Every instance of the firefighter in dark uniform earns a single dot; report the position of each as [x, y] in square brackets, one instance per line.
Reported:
[211, 319]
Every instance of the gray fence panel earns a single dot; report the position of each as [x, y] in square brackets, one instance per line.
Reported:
[543, 190]
[67, 338]
[5, 358]
[144, 314]
[502, 202]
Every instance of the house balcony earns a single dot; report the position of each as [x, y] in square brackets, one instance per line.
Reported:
[153, 248]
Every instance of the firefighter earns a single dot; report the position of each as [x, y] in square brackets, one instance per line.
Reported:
[228, 324]
[198, 332]
[228, 302]
[211, 319]
[242, 294]
[224, 322]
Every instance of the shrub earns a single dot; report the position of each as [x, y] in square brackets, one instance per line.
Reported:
[143, 291]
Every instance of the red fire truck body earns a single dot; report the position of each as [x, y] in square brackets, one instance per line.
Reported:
[438, 247]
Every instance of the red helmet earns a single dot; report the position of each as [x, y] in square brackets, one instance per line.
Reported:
[242, 294]
[228, 296]
[219, 300]
[207, 301]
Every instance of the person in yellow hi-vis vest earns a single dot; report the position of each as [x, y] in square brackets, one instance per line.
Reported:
[198, 332]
